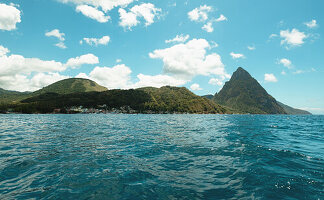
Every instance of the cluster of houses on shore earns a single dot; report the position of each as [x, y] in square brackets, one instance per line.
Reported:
[100, 110]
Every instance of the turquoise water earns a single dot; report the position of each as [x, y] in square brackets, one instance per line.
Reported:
[161, 157]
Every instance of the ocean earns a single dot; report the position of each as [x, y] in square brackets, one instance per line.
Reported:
[161, 156]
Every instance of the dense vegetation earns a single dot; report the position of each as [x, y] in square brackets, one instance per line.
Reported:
[179, 99]
[144, 100]
[242, 94]
[245, 95]
[72, 85]
[7, 96]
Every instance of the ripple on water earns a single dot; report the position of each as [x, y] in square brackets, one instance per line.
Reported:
[161, 156]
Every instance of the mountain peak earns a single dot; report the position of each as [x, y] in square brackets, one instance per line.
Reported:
[244, 94]
[241, 74]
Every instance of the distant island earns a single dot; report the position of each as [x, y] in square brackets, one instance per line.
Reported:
[242, 94]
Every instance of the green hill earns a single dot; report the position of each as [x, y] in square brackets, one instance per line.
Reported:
[293, 111]
[72, 85]
[66, 86]
[179, 99]
[144, 100]
[244, 94]
[7, 96]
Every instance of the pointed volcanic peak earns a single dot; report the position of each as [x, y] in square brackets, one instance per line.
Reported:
[244, 94]
[72, 85]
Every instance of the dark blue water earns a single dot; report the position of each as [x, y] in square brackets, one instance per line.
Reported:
[161, 157]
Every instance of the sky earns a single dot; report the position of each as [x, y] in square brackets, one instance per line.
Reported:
[196, 44]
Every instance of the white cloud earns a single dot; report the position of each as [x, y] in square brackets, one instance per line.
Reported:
[57, 34]
[61, 45]
[299, 72]
[17, 64]
[195, 87]
[29, 74]
[81, 60]
[105, 5]
[44, 79]
[292, 38]
[236, 55]
[200, 14]
[92, 13]
[285, 62]
[118, 60]
[179, 38]
[9, 17]
[208, 27]
[251, 48]
[22, 83]
[215, 81]
[311, 24]
[147, 11]
[273, 35]
[190, 59]
[221, 18]
[96, 41]
[157, 81]
[270, 78]
[110, 77]
[283, 72]
[3, 51]
[127, 19]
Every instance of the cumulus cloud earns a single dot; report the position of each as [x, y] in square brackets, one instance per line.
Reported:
[208, 27]
[215, 81]
[60, 36]
[29, 74]
[179, 38]
[9, 17]
[19, 82]
[200, 14]
[3, 51]
[157, 81]
[292, 38]
[96, 41]
[236, 55]
[270, 78]
[56, 33]
[311, 24]
[221, 18]
[127, 19]
[110, 77]
[195, 87]
[105, 5]
[190, 59]
[17, 64]
[92, 13]
[81, 60]
[286, 62]
[147, 11]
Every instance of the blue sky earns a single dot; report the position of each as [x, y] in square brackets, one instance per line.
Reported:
[196, 44]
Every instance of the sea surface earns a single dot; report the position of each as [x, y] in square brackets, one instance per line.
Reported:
[161, 157]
